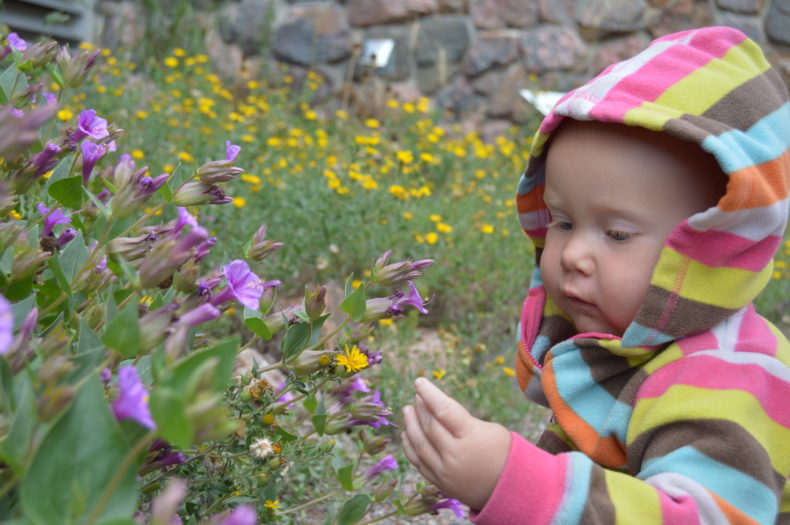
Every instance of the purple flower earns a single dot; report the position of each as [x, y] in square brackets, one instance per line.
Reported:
[149, 186]
[202, 250]
[203, 313]
[386, 463]
[241, 515]
[51, 219]
[65, 237]
[16, 42]
[176, 458]
[453, 504]
[370, 411]
[49, 97]
[231, 151]
[105, 375]
[243, 285]
[45, 160]
[91, 153]
[184, 219]
[90, 125]
[346, 394]
[17, 113]
[399, 300]
[6, 325]
[132, 401]
[286, 397]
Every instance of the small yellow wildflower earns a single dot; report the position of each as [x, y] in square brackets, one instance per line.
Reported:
[352, 359]
[179, 52]
[408, 215]
[140, 114]
[435, 217]
[185, 157]
[419, 238]
[65, 114]
[272, 505]
[405, 156]
[239, 202]
[268, 419]
[138, 154]
[341, 114]
[431, 238]
[310, 115]
[499, 360]
[439, 373]
[247, 138]
[444, 228]
[487, 228]
[508, 371]
[372, 123]
[15, 214]
[171, 62]
[385, 322]
[356, 283]
[250, 178]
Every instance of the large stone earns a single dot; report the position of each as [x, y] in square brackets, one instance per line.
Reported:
[777, 23]
[363, 13]
[488, 52]
[458, 99]
[314, 34]
[227, 58]
[433, 77]
[453, 6]
[682, 15]
[494, 14]
[441, 39]
[551, 48]
[611, 16]
[750, 25]
[746, 7]
[618, 49]
[247, 23]
[399, 65]
[557, 11]
[505, 101]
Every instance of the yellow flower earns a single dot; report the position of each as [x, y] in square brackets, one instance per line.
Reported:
[487, 228]
[272, 505]
[352, 359]
[419, 238]
[499, 360]
[341, 114]
[385, 322]
[431, 238]
[372, 123]
[171, 62]
[247, 138]
[435, 217]
[405, 156]
[268, 419]
[15, 214]
[444, 228]
[138, 154]
[239, 202]
[508, 371]
[356, 283]
[179, 52]
[310, 115]
[439, 373]
[141, 114]
[251, 179]
[185, 157]
[408, 215]
[65, 114]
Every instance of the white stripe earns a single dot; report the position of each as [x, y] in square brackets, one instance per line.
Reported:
[754, 224]
[676, 486]
[726, 332]
[534, 219]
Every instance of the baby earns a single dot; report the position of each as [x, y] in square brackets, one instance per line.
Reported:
[656, 196]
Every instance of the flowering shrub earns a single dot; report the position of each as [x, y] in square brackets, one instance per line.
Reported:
[120, 404]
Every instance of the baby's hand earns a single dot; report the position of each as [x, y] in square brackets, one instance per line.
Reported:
[457, 452]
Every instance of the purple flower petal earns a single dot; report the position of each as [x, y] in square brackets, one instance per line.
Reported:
[91, 153]
[51, 219]
[6, 325]
[242, 515]
[231, 151]
[386, 463]
[243, 285]
[90, 125]
[453, 504]
[132, 401]
[17, 42]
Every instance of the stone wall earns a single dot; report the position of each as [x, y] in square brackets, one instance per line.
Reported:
[470, 56]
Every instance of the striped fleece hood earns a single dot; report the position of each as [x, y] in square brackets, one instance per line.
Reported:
[712, 87]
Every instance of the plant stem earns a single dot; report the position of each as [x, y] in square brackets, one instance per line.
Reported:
[381, 518]
[330, 335]
[311, 502]
[119, 474]
[8, 486]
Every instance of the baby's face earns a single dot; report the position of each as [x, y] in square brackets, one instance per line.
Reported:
[614, 193]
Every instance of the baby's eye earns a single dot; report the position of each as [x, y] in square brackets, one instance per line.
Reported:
[617, 235]
[562, 225]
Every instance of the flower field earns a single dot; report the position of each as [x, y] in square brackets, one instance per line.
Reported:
[215, 292]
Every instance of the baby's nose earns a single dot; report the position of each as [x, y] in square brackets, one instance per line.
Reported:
[577, 255]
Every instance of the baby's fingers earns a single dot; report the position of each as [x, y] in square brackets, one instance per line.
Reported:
[451, 414]
[418, 449]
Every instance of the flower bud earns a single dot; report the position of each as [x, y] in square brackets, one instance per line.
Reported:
[54, 400]
[75, 69]
[216, 171]
[154, 325]
[40, 53]
[315, 302]
[176, 343]
[259, 247]
[383, 492]
[309, 362]
[187, 277]
[27, 263]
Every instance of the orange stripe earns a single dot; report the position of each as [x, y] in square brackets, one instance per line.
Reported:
[606, 451]
[734, 516]
[524, 372]
[531, 201]
[758, 185]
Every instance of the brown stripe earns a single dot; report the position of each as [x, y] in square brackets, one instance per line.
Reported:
[725, 441]
[783, 519]
[599, 507]
[613, 373]
[740, 109]
[554, 440]
[685, 317]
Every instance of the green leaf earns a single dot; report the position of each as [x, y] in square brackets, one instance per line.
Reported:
[61, 171]
[255, 324]
[73, 256]
[105, 210]
[90, 351]
[13, 446]
[56, 74]
[225, 351]
[7, 79]
[57, 271]
[354, 509]
[319, 422]
[284, 435]
[21, 309]
[354, 304]
[170, 413]
[7, 261]
[310, 404]
[78, 460]
[123, 332]
[67, 192]
[345, 475]
[295, 340]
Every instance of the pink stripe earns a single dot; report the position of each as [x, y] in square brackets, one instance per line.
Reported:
[682, 509]
[755, 335]
[722, 249]
[702, 341]
[659, 74]
[706, 371]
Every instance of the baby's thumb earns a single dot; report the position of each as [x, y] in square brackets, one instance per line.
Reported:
[449, 412]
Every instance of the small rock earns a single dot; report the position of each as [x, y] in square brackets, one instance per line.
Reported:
[314, 34]
[682, 15]
[453, 6]
[433, 77]
[505, 101]
[750, 25]
[611, 16]
[493, 14]
[486, 53]
[459, 99]
[363, 13]
[557, 11]
[618, 49]
[551, 48]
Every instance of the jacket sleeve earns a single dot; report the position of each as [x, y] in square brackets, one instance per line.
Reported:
[707, 443]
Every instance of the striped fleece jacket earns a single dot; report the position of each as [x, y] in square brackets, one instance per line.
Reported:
[685, 419]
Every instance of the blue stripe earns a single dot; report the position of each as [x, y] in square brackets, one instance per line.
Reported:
[577, 488]
[737, 488]
[766, 140]
[638, 335]
[525, 185]
[585, 396]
